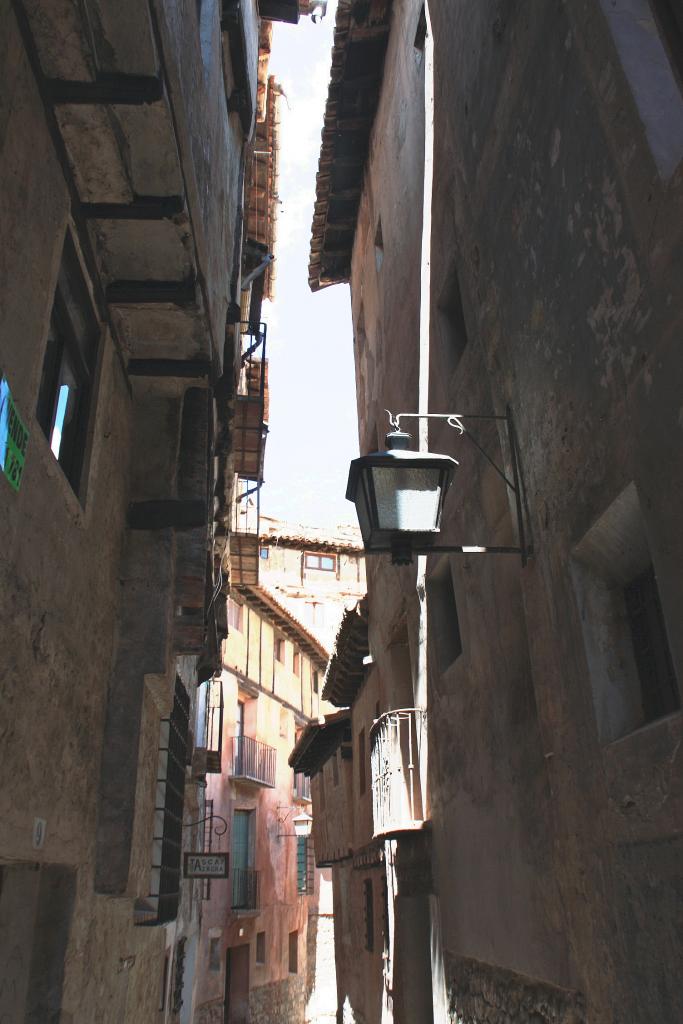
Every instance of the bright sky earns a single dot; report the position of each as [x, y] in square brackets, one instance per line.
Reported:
[313, 427]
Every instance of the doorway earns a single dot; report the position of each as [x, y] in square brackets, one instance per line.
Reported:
[237, 985]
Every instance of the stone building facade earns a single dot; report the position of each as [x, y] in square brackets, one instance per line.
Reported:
[124, 136]
[267, 947]
[539, 878]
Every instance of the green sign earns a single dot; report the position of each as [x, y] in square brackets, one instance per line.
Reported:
[13, 438]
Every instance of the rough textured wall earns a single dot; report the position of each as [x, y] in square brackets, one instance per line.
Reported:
[561, 233]
[480, 994]
[278, 1001]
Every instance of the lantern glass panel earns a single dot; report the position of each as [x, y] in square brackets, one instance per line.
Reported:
[407, 497]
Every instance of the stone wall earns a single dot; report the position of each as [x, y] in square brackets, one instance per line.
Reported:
[279, 1002]
[210, 1013]
[481, 994]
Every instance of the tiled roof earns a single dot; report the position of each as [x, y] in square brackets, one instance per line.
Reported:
[360, 41]
[345, 670]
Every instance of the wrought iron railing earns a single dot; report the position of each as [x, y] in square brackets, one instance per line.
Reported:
[253, 761]
[245, 889]
[397, 738]
[301, 787]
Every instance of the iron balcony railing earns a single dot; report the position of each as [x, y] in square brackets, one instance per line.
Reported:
[253, 761]
[245, 889]
[396, 741]
[301, 788]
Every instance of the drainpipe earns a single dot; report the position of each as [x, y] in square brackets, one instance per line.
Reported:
[439, 995]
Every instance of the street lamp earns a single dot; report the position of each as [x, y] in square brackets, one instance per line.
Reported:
[399, 496]
[399, 493]
[303, 823]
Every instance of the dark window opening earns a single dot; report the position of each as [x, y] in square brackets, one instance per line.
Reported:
[316, 682]
[369, 915]
[260, 947]
[164, 984]
[379, 246]
[214, 955]
[452, 319]
[66, 386]
[279, 650]
[421, 31]
[385, 917]
[443, 611]
[294, 952]
[650, 647]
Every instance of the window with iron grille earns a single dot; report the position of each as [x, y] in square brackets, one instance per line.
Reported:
[260, 947]
[66, 386]
[304, 866]
[650, 647]
[167, 846]
[369, 915]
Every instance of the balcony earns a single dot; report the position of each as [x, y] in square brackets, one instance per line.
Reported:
[252, 761]
[249, 433]
[245, 889]
[397, 795]
[301, 789]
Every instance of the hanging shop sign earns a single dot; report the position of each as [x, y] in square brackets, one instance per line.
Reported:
[13, 438]
[206, 865]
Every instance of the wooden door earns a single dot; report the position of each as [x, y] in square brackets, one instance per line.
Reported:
[237, 985]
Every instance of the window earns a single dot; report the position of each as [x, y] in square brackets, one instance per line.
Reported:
[304, 866]
[296, 663]
[451, 320]
[279, 650]
[260, 947]
[379, 246]
[421, 31]
[369, 915]
[235, 613]
[443, 611]
[293, 952]
[167, 843]
[328, 563]
[361, 761]
[631, 670]
[650, 646]
[284, 722]
[164, 982]
[65, 396]
[316, 682]
[264, 553]
[214, 955]
[647, 36]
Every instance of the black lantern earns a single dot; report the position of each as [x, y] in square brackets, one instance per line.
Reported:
[399, 496]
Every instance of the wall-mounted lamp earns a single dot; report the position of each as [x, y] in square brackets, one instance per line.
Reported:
[302, 823]
[399, 494]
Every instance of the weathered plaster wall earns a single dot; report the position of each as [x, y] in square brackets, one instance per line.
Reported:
[61, 564]
[271, 716]
[562, 233]
[555, 272]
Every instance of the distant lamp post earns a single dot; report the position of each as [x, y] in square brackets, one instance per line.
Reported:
[399, 494]
[302, 823]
